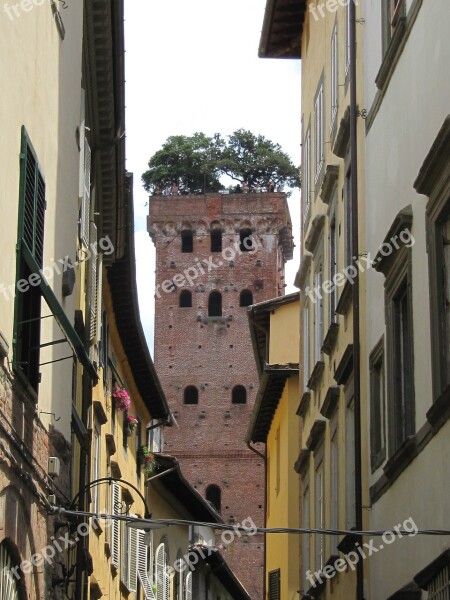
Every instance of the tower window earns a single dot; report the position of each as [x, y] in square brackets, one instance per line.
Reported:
[191, 395]
[187, 241]
[216, 240]
[246, 298]
[246, 240]
[213, 495]
[239, 395]
[186, 299]
[215, 304]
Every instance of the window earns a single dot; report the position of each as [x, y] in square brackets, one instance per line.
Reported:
[347, 39]
[188, 584]
[306, 177]
[246, 240]
[334, 84]
[216, 240]
[86, 197]
[318, 316]
[306, 334]
[399, 331]
[439, 587]
[334, 483]
[27, 308]
[393, 12]
[162, 577]
[377, 406]
[116, 509]
[318, 133]
[96, 466]
[187, 241]
[319, 493]
[185, 299]
[155, 436]
[332, 257]
[9, 586]
[348, 218]
[239, 395]
[350, 461]
[129, 562]
[214, 496]
[191, 395]
[274, 585]
[246, 298]
[306, 538]
[278, 463]
[215, 304]
[144, 565]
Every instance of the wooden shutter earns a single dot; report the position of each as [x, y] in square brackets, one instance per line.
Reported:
[142, 565]
[160, 572]
[132, 559]
[86, 198]
[8, 584]
[274, 585]
[188, 589]
[115, 533]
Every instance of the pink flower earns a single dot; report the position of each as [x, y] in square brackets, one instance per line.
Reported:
[121, 397]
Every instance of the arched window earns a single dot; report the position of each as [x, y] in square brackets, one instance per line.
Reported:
[216, 240]
[186, 299]
[187, 241]
[246, 298]
[246, 239]
[9, 585]
[239, 395]
[215, 304]
[213, 495]
[191, 395]
[162, 576]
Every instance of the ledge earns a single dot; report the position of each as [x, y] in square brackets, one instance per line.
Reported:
[409, 592]
[110, 444]
[402, 221]
[4, 346]
[330, 339]
[302, 462]
[314, 232]
[316, 374]
[343, 135]
[401, 458]
[345, 366]
[345, 299]
[331, 401]
[304, 403]
[330, 178]
[436, 162]
[100, 412]
[392, 55]
[348, 543]
[439, 412]
[424, 577]
[115, 469]
[303, 270]
[315, 590]
[316, 434]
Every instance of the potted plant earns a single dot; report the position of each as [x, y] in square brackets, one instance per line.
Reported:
[121, 398]
[131, 423]
[148, 461]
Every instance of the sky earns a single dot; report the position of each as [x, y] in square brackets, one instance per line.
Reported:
[192, 65]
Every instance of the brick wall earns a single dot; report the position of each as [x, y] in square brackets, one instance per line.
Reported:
[215, 354]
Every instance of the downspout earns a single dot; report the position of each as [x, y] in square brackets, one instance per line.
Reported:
[355, 289]
[264, 457]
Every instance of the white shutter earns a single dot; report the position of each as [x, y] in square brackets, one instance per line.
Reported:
[142, 566]
[188, 595]
[86, 197]
[124, 550]
[132, 559]
[115, 535]
[8, 584]
[160, 572]
[166, 584]
[93, 285]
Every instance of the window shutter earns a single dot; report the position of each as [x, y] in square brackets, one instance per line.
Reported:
[124, 551]
[188, 594]
[274, 585]
[115, 536]
[142, 565]
[94, 289]
[132, 558]
[160, 572]
[86, 198]
[166, 584]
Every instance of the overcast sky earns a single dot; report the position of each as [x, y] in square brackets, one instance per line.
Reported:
[192, 65]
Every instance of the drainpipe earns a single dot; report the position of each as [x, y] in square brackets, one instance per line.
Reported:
[264, 457]
[355, 289]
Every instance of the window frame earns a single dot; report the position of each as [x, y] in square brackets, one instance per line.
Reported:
[185, 391]
[187, 241]
[319, 506]
[237, 393]
[215, 307]
[377, 366]
[306, 177]
[319, 132]
[334, 78]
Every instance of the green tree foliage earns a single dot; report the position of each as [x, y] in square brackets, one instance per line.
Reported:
[187, 161]
[196, 163]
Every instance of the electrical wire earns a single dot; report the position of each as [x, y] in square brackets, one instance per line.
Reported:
[222, 526]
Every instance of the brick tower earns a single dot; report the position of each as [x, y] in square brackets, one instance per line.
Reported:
[215, 255]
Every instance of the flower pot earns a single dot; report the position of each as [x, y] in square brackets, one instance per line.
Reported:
[127, 431]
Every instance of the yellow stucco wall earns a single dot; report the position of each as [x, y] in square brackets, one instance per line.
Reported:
[284, 334]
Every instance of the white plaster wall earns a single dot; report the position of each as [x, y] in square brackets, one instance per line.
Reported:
[415, 105]
[41, 89]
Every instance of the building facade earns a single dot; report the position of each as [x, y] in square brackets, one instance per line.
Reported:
[407, 232]
[275, 330]
[215, 255]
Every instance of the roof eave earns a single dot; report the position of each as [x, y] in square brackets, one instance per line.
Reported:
[269, 47]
